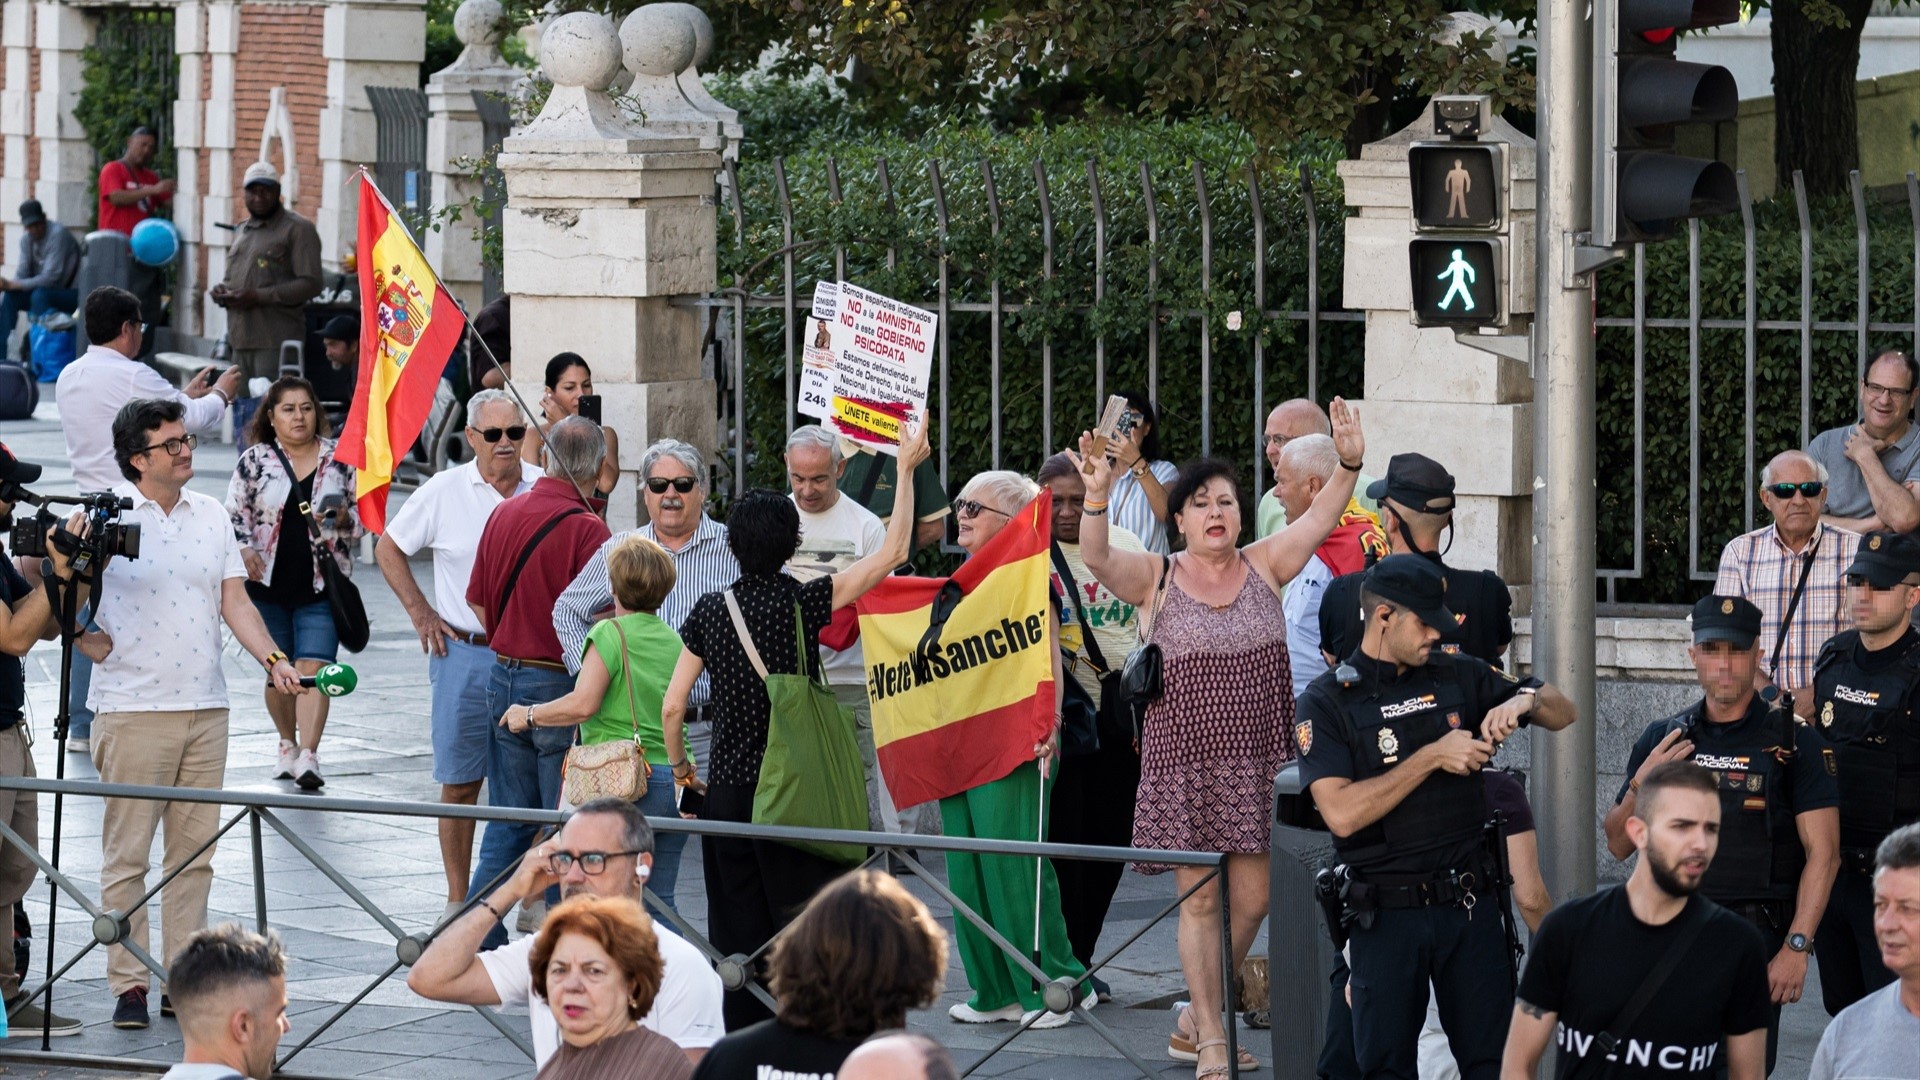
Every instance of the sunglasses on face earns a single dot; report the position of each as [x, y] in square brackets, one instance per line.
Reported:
[1809, 488]
[967, 508]
[682, 484]
[492, 434]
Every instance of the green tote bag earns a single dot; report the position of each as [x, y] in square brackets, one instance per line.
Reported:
[812, 774]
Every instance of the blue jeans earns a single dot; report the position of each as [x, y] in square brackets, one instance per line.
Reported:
[523, 772]
[35, 304]
[659, 801]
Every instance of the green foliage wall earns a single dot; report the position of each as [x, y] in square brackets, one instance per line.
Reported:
[131, 78]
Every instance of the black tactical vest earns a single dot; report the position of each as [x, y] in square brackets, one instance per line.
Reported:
[1386, 725]
[1874, 739]
[1760, 856]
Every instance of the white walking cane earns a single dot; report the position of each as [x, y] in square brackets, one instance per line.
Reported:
[1039, 868]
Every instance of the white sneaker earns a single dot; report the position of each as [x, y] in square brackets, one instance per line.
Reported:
[1047, 1020]
[532, 914]
[288, 752]
[967, 1014]
[79, 746]
[306, 770]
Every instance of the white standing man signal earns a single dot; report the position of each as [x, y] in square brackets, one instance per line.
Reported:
[1463, 276]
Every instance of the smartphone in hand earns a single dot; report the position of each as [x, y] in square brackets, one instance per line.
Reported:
[691, 801]
[590, 407]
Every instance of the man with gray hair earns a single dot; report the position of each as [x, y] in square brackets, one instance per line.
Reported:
[446, 516]
[1878, 1037]
[529, 552]
[229, 991]
[836, 532]
[1794, 571]
[1305, 465]
[1293, 419]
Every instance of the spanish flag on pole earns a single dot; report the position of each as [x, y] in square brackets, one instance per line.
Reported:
[960, 669]
[409, 325]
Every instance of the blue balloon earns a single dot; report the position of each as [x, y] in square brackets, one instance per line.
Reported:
[155, 242]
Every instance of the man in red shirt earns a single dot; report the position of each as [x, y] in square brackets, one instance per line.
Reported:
[129, 190]
[533, 547]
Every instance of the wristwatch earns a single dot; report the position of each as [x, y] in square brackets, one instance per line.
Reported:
[1769, 693]
[1799, 943]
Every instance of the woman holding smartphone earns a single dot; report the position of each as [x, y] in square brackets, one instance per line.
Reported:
[570, 393]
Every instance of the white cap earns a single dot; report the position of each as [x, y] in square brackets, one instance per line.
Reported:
[261, 173]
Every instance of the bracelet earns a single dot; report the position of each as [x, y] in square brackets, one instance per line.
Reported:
[498, 916]
[273, 658]
[529, 716]
[1089, 504]
[677, 764]
[227, 400]
[1351, 468]
[1089, 512]
[1138, 468]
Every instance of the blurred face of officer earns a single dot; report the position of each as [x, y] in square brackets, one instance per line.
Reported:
[1404, 639]
[1896, 920]
[1876, 611]
[1677, 832]
[1725, 671]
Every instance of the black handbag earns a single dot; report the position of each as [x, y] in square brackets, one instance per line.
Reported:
[350, 623]
[1140, 676]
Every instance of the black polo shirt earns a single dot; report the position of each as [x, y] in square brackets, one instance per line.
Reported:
[1478, 598]
[13, 674]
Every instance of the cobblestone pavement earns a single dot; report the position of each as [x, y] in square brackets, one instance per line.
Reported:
[376, 747]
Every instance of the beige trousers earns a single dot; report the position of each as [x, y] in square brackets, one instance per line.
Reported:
[169, 749]
[21, 811]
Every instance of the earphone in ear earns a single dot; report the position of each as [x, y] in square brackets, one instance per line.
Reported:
[641, 871]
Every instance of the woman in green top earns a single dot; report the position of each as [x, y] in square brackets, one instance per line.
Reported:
[634, 647]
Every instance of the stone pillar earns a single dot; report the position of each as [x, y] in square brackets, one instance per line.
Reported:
[366, 43]
[16, 115]
[189, 114]
[1469, 410]
[66, 160]
[606, 221]
[219, 202]
[456, 140]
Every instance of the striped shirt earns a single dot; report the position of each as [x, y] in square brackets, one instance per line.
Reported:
[1133, 512]
[704, 564]
[1761, 568]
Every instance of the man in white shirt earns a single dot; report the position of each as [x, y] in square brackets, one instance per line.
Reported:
[90, 392]
[160, 702]
[836, 532]
[446, 516]
[605, 849]
[1305, 466]
[231, 986]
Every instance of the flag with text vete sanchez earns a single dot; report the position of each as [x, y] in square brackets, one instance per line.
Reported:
[963, 706]
[409, 325]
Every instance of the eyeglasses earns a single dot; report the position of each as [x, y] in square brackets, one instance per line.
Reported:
[682, 484]
[1277, 441]
[1859, 581]
[1892, 392]
[174, 447]
[492, 434]
[967, 508]
[592, 863]
[1809, 488]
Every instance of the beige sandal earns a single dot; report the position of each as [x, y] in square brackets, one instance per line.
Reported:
[1182, 1047]
[1201, 1072]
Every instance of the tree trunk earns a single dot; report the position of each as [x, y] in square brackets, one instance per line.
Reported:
[1815, 126]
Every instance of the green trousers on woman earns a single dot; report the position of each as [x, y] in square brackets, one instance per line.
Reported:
[1000, 888]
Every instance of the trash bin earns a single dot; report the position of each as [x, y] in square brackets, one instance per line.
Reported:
[1300, 954]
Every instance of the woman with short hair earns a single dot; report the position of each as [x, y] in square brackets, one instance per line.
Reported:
[597, 964]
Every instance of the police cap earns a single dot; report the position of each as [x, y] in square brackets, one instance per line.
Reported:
[1726, 618]
[1416, 482]
[1886, 558]
[1415, 583]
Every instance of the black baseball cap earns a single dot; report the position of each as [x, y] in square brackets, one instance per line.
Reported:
[1726, 618]
[341, 328]
[1415, 583]
[13, 470]
[1416, 482]
[1886, 558]
[32, 213]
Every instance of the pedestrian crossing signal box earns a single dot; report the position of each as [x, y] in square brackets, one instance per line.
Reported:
[1458, 186]
[1459, 281]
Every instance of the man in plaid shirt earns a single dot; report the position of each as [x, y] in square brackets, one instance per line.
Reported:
[1765, 565]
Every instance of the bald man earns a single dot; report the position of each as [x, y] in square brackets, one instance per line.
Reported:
[1766, 567]
[1288, 421]
[899, 1056]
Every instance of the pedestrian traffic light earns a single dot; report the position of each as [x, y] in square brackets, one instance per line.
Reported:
[1459, 256]
[1458, 281]
[1642, 189]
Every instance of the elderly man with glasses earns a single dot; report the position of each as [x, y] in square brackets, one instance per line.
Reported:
[1793, 571]
[447, 516]
[1874, 465]
[1288, 421]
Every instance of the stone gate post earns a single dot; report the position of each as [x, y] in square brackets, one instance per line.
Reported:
[456, 140]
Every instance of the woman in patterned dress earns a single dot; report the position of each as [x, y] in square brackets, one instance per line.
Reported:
[1213, 742]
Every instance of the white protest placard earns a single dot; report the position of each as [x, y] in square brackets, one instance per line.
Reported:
[816, 354]
[883, 357]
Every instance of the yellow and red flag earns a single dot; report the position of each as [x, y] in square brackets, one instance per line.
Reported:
[960, 669]
[409, 325]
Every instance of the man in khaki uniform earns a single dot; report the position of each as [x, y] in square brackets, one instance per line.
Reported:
[273, 269]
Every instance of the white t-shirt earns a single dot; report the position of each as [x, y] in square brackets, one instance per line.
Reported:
[163, 609]
[686, 1010]
[1114, 622]
[91, 391]
[448, 514]
[1301, 606]
[831, 541]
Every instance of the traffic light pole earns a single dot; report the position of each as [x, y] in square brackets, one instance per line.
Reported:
[1563, 452]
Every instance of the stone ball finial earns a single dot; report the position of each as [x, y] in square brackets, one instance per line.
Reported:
[581, 49]
[477, 22]
[657, 40]
[702, 32]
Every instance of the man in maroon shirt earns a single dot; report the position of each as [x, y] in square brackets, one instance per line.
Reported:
[129, 190]
[533, 547]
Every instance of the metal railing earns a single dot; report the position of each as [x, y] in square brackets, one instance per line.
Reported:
[259, 811]
[400, 149]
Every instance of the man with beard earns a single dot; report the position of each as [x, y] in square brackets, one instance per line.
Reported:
[605, 849]
[1779, 806]
[1604, 981]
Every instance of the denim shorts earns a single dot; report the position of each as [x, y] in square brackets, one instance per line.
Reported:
[303, 633]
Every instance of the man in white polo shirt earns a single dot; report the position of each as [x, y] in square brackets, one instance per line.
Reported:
[159, 697]
[605, 849]
[446, 516]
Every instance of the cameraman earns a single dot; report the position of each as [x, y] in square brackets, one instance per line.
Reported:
[27, 615]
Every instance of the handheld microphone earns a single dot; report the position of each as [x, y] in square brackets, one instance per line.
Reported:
[334, 680]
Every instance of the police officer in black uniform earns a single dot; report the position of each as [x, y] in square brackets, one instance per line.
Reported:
[1779, 806]
[1416, 508]
[1866, 684]
[1392, 742]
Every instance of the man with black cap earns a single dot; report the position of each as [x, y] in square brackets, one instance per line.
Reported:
[1392, 743]
[1779, 806]
[340, 337]
[1416, 507]
[43, 275]
[273, 269]
[1866, 686]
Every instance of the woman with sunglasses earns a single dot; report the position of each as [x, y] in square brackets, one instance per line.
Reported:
[1224, 724]
[290, 465]
[755, 887]
[568, 380]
